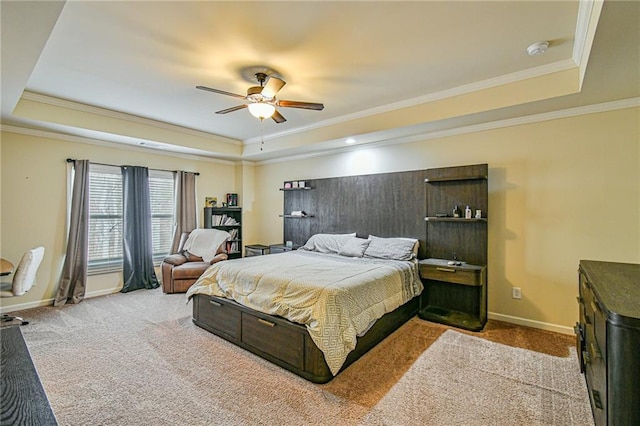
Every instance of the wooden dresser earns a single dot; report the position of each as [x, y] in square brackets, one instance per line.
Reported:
[608, 339]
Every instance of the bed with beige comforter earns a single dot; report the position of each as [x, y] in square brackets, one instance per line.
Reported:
[337, 298]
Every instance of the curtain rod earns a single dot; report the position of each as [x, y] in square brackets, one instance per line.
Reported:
[71, 160]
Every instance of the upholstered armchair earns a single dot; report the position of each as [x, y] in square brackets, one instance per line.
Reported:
[180, 270]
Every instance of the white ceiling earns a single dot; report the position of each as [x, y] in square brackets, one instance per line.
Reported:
[382, 69]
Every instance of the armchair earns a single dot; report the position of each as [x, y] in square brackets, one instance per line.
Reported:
[180, 270]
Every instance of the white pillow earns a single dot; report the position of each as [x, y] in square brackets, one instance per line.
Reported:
[354, 247]
[392, 248]
[327, 243]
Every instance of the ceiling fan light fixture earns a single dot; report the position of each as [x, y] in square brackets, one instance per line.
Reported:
[261, 110]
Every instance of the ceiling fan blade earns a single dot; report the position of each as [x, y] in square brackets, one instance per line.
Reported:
[278, 118]
[303, 105]
[235, 108]
[222, 92]
[272, 87]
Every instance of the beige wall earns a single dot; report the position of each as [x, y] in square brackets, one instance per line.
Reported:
[34, 201]
[559, 191]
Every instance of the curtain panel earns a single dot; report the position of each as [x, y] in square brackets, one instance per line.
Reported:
[186, 215]
[73, 281]
[138, 271]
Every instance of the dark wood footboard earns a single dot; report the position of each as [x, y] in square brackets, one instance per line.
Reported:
[283, 342]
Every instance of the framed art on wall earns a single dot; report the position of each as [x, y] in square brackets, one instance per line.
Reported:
[211, 202]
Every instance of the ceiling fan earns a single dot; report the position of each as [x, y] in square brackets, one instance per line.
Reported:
[261, 100]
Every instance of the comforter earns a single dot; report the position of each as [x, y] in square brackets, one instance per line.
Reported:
[337, 298]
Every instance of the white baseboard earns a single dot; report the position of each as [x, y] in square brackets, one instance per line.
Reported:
[49, 302]
[492, 315]
[532, 323]
[23, 306]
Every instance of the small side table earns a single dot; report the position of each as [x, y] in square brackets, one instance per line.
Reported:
[454, 294]
[255, 250]
[281, 248]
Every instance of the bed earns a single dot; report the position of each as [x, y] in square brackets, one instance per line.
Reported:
[314, 310]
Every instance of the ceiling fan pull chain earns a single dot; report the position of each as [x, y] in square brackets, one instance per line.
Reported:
[261, 133]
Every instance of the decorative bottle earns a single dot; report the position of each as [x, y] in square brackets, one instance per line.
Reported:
[456, 211]
[467, 212]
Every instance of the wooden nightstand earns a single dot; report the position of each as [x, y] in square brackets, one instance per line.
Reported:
[255, 250]
[455, 294]
[281, 248]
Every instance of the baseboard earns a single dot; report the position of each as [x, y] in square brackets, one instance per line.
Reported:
[49, 302]
[492, 315]
[532, 323]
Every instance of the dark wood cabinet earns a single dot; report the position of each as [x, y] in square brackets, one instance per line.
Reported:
[455, 271]
[227, 219]
[608, 339]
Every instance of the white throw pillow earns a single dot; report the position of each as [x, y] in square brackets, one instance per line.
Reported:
[354, 247]
[392, 248]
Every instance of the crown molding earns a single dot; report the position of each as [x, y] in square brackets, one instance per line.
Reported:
[420, 135]
[498, 124]
[64, 103]
[587, 19]
[436, 96]
[92, 141]
[586, 24]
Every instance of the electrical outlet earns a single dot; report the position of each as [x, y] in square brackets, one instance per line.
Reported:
[517, 292]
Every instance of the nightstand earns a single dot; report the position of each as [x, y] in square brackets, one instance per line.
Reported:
[255, 250]
[455, 294]
[281, 248]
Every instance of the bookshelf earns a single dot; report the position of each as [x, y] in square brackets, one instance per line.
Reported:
[227, 219]
[455, 270]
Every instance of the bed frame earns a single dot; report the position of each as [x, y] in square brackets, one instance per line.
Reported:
[283, 342]
[385, 205]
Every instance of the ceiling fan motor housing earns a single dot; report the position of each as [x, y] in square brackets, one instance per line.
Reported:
[254, 93]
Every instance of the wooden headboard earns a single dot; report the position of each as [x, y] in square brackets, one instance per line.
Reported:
[384, 205]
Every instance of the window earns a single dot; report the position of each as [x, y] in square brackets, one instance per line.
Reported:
[161, 187]
[105, 216]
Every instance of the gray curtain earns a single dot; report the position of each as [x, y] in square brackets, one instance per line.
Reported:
[186, 216]
[137, 246]
[73, 281]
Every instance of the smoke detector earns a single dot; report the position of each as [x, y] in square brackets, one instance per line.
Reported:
[538, 48]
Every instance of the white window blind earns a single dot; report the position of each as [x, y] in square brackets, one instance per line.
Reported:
[105, 216]
[161, 193]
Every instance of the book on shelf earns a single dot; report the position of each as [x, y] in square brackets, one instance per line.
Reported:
[232, 247]
[223, 220]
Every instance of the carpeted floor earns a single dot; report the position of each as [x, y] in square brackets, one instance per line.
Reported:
[137, 359]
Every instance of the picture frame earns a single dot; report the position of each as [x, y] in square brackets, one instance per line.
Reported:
[232, 200]
[211, 201]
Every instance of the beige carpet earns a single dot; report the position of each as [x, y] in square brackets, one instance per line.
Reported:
[464, 380]
[137, 359]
